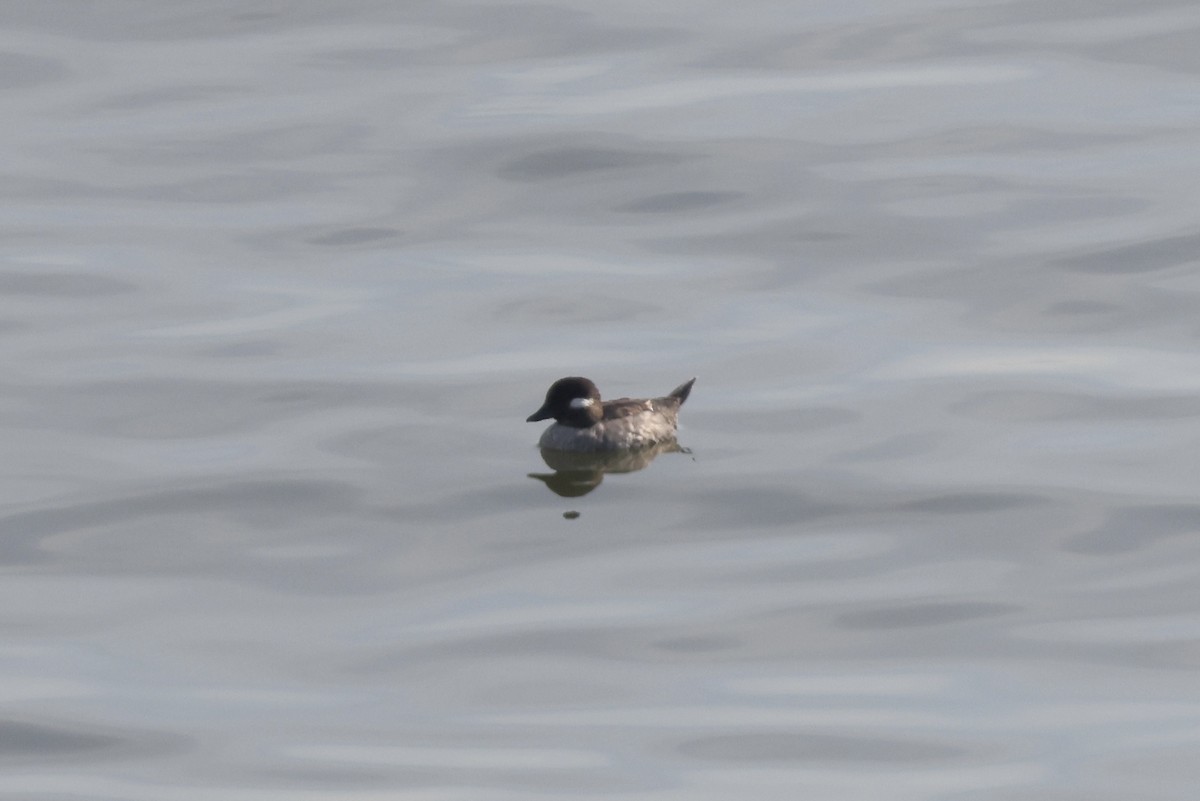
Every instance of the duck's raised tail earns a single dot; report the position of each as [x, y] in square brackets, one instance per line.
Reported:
[682, 391]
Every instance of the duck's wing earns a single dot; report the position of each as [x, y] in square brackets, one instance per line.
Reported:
[625, 407]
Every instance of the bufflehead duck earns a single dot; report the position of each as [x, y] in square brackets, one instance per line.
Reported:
[585, 423]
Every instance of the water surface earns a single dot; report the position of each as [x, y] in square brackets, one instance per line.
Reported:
[281, 283]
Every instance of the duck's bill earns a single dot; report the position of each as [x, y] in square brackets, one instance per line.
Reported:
[540, 414]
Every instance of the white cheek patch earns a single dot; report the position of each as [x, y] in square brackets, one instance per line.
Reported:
[582, 403]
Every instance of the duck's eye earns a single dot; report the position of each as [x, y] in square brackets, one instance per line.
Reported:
[581, 403]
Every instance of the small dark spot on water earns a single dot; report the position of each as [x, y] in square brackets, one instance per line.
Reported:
[572, 515]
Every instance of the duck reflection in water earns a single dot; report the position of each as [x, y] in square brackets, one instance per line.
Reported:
[576, 474]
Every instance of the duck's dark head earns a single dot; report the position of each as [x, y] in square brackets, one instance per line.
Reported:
[572, 401]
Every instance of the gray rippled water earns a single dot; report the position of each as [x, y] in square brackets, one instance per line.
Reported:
[279, 284]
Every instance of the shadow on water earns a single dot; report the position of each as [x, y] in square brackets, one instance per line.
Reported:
[577, 474]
